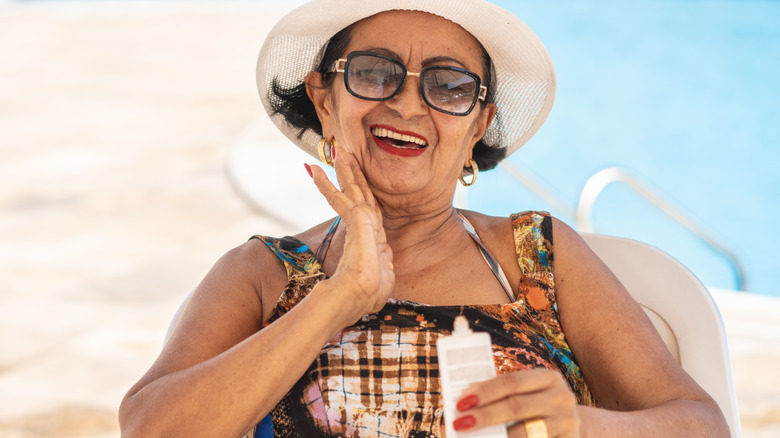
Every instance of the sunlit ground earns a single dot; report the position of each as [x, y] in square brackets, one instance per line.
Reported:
[115, 123]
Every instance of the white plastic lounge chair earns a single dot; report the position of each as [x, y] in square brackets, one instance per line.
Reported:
[682, 311]
[679, 306]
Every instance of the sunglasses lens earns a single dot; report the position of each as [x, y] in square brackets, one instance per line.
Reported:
[451, 91]
[374, 77]
[447, 89]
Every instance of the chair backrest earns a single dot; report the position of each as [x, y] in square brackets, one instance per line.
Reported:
[682, 311]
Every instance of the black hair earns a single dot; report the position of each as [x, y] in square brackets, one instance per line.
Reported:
[294, 105]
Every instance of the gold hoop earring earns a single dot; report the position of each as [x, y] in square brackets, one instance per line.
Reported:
[326, 158]
[474, 171]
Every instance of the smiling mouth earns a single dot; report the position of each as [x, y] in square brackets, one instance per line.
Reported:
[398, 140]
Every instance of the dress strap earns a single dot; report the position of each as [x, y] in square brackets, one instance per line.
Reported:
[322, 251]
[489, 258]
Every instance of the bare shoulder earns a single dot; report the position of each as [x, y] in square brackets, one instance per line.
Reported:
[500, 229]
[569, 245]
[263, 268]
[579, 273]
[496, 233]
[224, 309]
[232, 299]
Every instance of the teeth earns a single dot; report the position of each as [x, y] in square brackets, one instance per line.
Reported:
[382, 132]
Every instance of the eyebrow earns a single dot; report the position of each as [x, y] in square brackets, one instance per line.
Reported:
[430, 61]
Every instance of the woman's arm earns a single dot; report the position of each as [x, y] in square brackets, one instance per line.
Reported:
[625, 362]
[220, 374]
[627, 366]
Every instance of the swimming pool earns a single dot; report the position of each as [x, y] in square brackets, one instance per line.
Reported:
[681, 93]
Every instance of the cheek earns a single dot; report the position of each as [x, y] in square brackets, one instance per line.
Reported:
[458, 132]
[350, 116]
[350, 127]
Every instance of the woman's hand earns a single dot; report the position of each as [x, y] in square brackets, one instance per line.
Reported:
[365, 269]
[519, 397]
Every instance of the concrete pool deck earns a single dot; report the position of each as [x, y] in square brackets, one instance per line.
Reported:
[115, 125]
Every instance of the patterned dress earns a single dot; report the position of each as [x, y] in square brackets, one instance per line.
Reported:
[380, 376]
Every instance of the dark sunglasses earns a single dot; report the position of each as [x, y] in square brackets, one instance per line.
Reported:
[373, 76]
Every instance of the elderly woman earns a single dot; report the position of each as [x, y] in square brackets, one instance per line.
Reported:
[332, 332]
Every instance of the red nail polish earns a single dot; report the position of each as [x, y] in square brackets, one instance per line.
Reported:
[466, 422]
[467, 403]
[308, 169]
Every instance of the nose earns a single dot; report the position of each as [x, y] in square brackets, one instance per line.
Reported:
[408, 102]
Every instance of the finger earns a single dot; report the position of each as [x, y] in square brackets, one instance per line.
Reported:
[386, 256]
[505, 385]
[521, 396]
[360, 179]
[350, 176]
[379, 215]
[337, 200]
[341, 163]
[555, 406]
[555, 427]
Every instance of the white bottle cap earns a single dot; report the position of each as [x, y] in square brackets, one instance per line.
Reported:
[461, 326]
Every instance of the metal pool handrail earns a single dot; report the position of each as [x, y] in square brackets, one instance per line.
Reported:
[601, 179]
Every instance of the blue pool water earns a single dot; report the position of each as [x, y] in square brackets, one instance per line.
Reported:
[685, 94]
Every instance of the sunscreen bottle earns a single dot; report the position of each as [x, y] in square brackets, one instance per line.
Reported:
[464, 358]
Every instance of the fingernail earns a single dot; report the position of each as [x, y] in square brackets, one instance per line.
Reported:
[308, 169]
[468, 403]
[466, 422]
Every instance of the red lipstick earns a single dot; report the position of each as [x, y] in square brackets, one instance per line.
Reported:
[401, 152]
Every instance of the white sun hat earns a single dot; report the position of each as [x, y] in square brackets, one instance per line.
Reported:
[524, 74]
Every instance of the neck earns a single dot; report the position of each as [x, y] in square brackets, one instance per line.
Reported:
[421, 235]
[417, 241]
[405, 233]
[422, 214]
